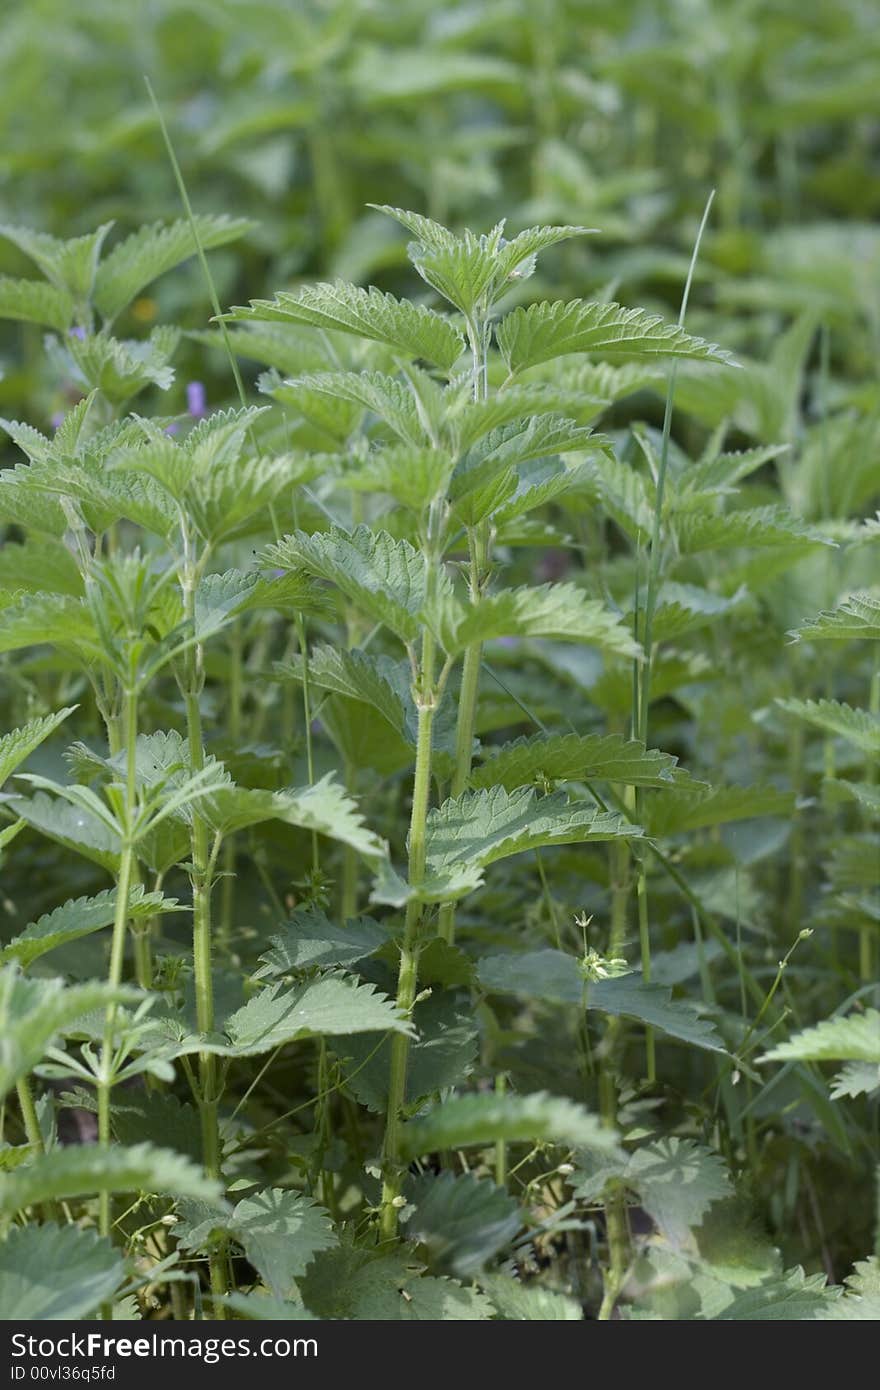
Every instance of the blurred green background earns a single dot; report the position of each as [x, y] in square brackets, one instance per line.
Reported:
[619, 115]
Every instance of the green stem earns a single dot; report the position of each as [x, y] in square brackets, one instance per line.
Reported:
[202, 942]
[117, 952]
[29, 1114]
[408, 970]
[227, 900]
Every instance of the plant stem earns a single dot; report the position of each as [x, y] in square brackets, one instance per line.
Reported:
[29, 1114]
[408, 970]
[117, 954]
[467, 707]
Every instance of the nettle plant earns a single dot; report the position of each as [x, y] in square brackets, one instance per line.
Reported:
[385, 1077]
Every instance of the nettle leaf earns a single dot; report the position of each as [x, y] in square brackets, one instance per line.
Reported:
[41, 566]
[467, 268]
[480, 827]
[310, 939]
[560, 611]
[79, 917]
[281, 1232]
[859, 727]
[34, 1012]
[542, 758]
[469, 420]
[464, 1121]
[393, 401]
[33, 301]
[854, 1038]
[675, 812]
[74, 827]
[462, 1222]
[54, 1273]
[544, 331]
[139, 1116]
[856, 1079]
[412, 476]
[379, 681]
[356, 1284]
[18, 745]
[69, 265]
[792, 1297]
[443, 1054]
[384, 577]
[557, 978]
[518, 1302]
[152, 250]
[122, 369]
[324, 806]
[512, 444]
[684, 608]
[83, 1170]
[677, 1180]
[49, 619]
[858, 616]
[411, 329]
[756, 527]
[333, 1006]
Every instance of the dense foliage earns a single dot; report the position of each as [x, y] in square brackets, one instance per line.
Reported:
[441, 696]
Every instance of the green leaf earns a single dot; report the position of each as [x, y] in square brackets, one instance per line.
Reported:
[560, 611]
[79, 917]
[81, 1171]
[518, 1302]
[33, 301]
[18, 745]
[324, 807]
[151, 251]
[757, 527]
[413, 330]
[121, 370]
[71, 826]
[484, 1119]
[855, 1038]
[310, 939]
[542, 758]
[50, 619]
[858, 616]
[792, 1297]
[391, 400]
[353, 1284]
[545, 331]
[333, 1006]
[443, 1054]
[414, 477]
[480, 827]
[34, 1012]
[56, 1273]
[467, 269]
[462, 1222]
[858, 727]
[281, 1232]
[385, 578]
[69, 265]
[677, 1181]
[556, 977]
[140, 1116]
[380, 681]
[674, 812]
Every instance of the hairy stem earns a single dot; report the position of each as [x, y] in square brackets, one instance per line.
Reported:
[408, 970]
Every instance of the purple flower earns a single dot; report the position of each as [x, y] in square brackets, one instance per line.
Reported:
[57, 419]
[317, 727]
[77, 332]
[172, 428]
[196, 403]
